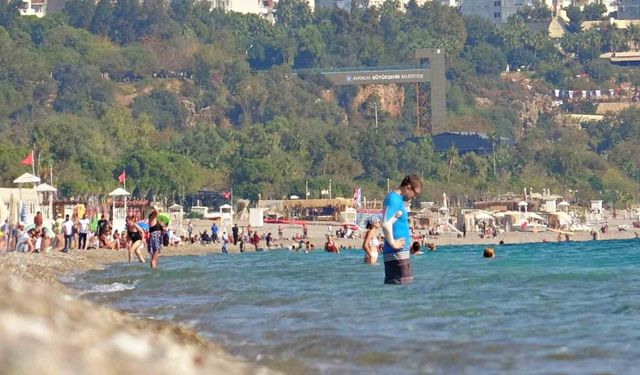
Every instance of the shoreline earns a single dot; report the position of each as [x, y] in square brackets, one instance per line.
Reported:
[72, 335]
[47, 328]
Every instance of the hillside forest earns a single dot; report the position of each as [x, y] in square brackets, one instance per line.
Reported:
[184, 99]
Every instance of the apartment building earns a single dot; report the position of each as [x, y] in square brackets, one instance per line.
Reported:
[263, 8]
[36, 8]
[629, 9]
[498, 11]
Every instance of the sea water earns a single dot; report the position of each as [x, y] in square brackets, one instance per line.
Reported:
[534, 309]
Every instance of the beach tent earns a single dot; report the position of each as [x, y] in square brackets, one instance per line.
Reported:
[559, 220]
[226, 216]
[563, 206]
[119, 214]
[45, 194]
[523, 206]
[534, 216]
[481, 215]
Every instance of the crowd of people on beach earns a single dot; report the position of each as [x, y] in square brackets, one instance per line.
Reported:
[81, 233]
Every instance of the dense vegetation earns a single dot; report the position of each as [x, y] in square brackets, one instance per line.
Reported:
[184, 99]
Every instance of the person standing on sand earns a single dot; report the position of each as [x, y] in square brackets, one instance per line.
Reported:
[234, 232]
[67, 229]
[214, 233]
[397, 264]
[83, 229]
[155, 237]
[371, 244]
[256, 239]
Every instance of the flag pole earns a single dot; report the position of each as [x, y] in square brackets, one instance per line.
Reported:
[33, 163]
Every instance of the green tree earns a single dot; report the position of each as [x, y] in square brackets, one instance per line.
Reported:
[479, 30]
[311, 47]
[594, 11]
[78, 92]
[123, 21]
[575, 19]
[488, 60]
[599, 70]
[79, 13]
[102, 18]
[9, 13]
[163, 108]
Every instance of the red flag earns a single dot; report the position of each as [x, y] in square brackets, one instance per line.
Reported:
[226, 195]
[28, 160]
[122, 178]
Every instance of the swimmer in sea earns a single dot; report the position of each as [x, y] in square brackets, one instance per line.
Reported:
[415, 248]
[371, 244]
[488, 253]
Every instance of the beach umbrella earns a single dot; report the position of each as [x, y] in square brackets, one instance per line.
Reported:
[45, 188]
[119, 192]
[27, 178]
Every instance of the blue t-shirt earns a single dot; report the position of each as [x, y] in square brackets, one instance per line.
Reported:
[393, 203]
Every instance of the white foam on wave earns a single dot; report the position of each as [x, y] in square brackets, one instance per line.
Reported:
[113, 287]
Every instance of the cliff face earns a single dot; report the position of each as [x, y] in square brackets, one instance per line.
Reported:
[389, 97]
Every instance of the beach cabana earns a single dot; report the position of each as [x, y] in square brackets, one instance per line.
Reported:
[523, 206]
[176, 213]
[563, 206]
[316, 208]
[45, 200]
[226, 216]
[119, 214]
[256, 217]
[560, 220]
[27, 208]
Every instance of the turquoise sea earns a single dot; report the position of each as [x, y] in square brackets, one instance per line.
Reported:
[565, 308]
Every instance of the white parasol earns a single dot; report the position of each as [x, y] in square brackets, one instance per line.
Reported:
[27, 178]
[119, 192]
[45, 188]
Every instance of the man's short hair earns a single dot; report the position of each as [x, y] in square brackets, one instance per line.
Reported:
[413, 181]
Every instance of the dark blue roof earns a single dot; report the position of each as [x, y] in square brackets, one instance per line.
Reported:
[466, 142]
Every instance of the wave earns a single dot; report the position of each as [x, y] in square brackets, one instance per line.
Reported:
[113, 287]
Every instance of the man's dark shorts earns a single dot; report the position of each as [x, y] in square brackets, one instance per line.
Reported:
[397, 271]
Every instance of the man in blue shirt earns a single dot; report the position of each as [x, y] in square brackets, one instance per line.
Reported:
[214, 233]
[397, 237]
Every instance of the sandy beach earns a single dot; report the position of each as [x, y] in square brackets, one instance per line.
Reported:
[48, 328]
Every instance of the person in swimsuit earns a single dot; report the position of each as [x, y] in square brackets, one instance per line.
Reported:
[330, 246]
[155, 237]
[371, 244]
[135, 239]
[397, 265]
